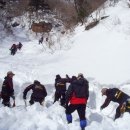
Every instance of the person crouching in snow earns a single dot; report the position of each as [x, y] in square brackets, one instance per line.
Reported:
[116, 95]
[77, 95]
[39, 92]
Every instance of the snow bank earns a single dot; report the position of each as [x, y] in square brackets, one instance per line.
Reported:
[52, 116]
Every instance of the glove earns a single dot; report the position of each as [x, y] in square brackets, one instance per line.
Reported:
[67, 76]
[14, 104]
[101, 108]
[66, 105]
[24, 97]
[123, 108]
[42, 103]
[13, 97]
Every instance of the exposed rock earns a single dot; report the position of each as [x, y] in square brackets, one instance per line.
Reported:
[41, 27]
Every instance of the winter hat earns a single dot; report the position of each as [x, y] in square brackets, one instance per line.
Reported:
[80, 75]
[73, 78]
[103, 91]
[58, 76]
[10, 73]
[36, 82]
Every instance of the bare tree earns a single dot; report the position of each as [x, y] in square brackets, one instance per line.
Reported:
[12, 9]
[65, 11]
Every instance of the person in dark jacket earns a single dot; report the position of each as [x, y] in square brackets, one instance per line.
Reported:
[41, 40]
[13, 49]
[60, 86]
[39, 92]
[116, 95]
[7, 89]
[19, 46]
[0, 95]
[77, 95]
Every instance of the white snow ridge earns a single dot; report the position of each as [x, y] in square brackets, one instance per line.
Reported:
[102, 54]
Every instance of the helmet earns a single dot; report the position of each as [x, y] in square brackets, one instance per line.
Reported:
[103, 91]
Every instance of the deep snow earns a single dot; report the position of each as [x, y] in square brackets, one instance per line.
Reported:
[101, 54]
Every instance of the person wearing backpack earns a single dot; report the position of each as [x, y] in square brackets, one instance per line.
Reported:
[38, 92]
[76, 99]
[60, 87]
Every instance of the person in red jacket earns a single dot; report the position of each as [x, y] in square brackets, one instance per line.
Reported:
[77, 95]
[7, 89]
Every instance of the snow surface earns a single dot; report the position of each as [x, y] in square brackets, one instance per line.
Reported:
[101, 54]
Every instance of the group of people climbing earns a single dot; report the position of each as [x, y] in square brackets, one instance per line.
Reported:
[73, 98]
[18, 46]
[15, 47]
[41, 40]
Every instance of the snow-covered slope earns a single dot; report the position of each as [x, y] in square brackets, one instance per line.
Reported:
[101, 54]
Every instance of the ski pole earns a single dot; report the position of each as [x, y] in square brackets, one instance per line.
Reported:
[13, 97]
[14, 103]
[25, 103]
[0, 96]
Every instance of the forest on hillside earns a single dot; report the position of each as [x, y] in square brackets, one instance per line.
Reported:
[70, 12]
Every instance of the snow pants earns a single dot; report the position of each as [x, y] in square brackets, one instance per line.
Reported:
[81, 108]
[118, 110]
[13, 52]
[6, 100]
[61, 96]
[34, 99]
[81, 112]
